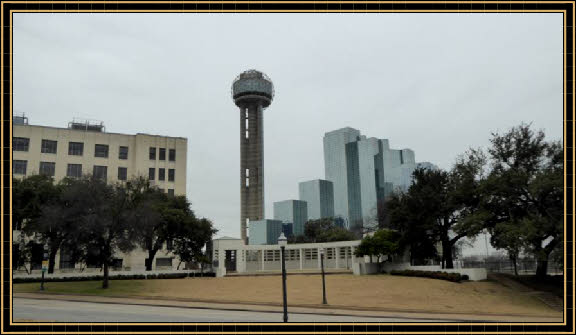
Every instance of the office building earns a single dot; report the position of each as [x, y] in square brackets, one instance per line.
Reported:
[86, 148]
[319, 195]
[364, 172]
[341, 168]
[264, 231]
[292, 211]
[252, 92]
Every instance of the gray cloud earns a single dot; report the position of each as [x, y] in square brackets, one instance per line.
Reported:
[436, 83]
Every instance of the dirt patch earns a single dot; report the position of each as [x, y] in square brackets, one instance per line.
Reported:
[372, 292]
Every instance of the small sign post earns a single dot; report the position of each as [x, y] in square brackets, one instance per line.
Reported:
[44, 266]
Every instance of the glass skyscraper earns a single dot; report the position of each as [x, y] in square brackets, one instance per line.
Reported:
[292, 211]
[341, 168]
[264, 231]
[364, 172]
[319, 195]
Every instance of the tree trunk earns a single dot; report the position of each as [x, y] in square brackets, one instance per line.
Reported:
[105, 279]
[150, 261]
[447, 255]
[52, 259]
[542, 267]
[515, 264]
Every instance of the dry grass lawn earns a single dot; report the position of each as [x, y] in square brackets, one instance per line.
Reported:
[343, 290]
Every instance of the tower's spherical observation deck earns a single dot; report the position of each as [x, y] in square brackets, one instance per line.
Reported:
[252, 86]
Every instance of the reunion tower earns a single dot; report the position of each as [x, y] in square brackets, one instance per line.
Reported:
[252, 92]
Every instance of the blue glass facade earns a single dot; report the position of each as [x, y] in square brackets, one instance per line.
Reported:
[292, 211]
[364, 171]
[319, 195]
[264, 232]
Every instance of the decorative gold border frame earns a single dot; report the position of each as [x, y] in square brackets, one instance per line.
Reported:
[565, 121]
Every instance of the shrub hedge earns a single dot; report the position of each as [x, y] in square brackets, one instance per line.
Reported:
[453, 277]
[114, 277]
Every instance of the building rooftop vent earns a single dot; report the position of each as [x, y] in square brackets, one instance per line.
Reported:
[87, 125]
[19, 119]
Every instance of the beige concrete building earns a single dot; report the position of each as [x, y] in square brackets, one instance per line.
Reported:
[86, 148]
[71, 152]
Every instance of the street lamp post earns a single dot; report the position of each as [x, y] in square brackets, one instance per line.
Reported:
[323, 281]
[282, 241]
[44, 265]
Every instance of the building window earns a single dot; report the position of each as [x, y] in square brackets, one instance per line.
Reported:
[151, 173]
[74, 170]
[310, 254]
[19, 167]
[101, 150]
[152, 154]
[171, 191]
[100, 172]
[49, 147]
[271, 255]
[122, 173]
[116, 264]
[20, 143]
[93, 258]
[123, 153]
[76, 148]
[162, 154]
[170, 174]
[161, 174]
[47, 168]
[163, 262]
[172, 155]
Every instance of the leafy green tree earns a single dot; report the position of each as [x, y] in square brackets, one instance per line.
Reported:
[525, 189]
[191, 238]
[106, 224]
[384, 243]
[404, 215]
[28, 196]
[32, 196]
[149, 209]
[440, 206]
[510, 238]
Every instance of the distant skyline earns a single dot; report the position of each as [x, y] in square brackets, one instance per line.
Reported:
[435, 83]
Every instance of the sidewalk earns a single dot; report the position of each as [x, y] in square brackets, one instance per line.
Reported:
[319, 309]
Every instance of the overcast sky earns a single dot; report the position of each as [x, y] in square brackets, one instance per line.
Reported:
[435, 83]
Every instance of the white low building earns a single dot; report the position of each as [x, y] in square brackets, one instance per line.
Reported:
[231, 255]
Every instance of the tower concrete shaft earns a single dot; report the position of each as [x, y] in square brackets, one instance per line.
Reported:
[251, 165]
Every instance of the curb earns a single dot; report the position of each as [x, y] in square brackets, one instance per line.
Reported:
[271, 308]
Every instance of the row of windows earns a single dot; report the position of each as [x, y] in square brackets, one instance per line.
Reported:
[162, 154]
[77, 149]
[161, 174]
[75, 170]
[74, 148]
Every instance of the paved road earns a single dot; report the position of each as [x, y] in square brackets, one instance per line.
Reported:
[71, 311]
